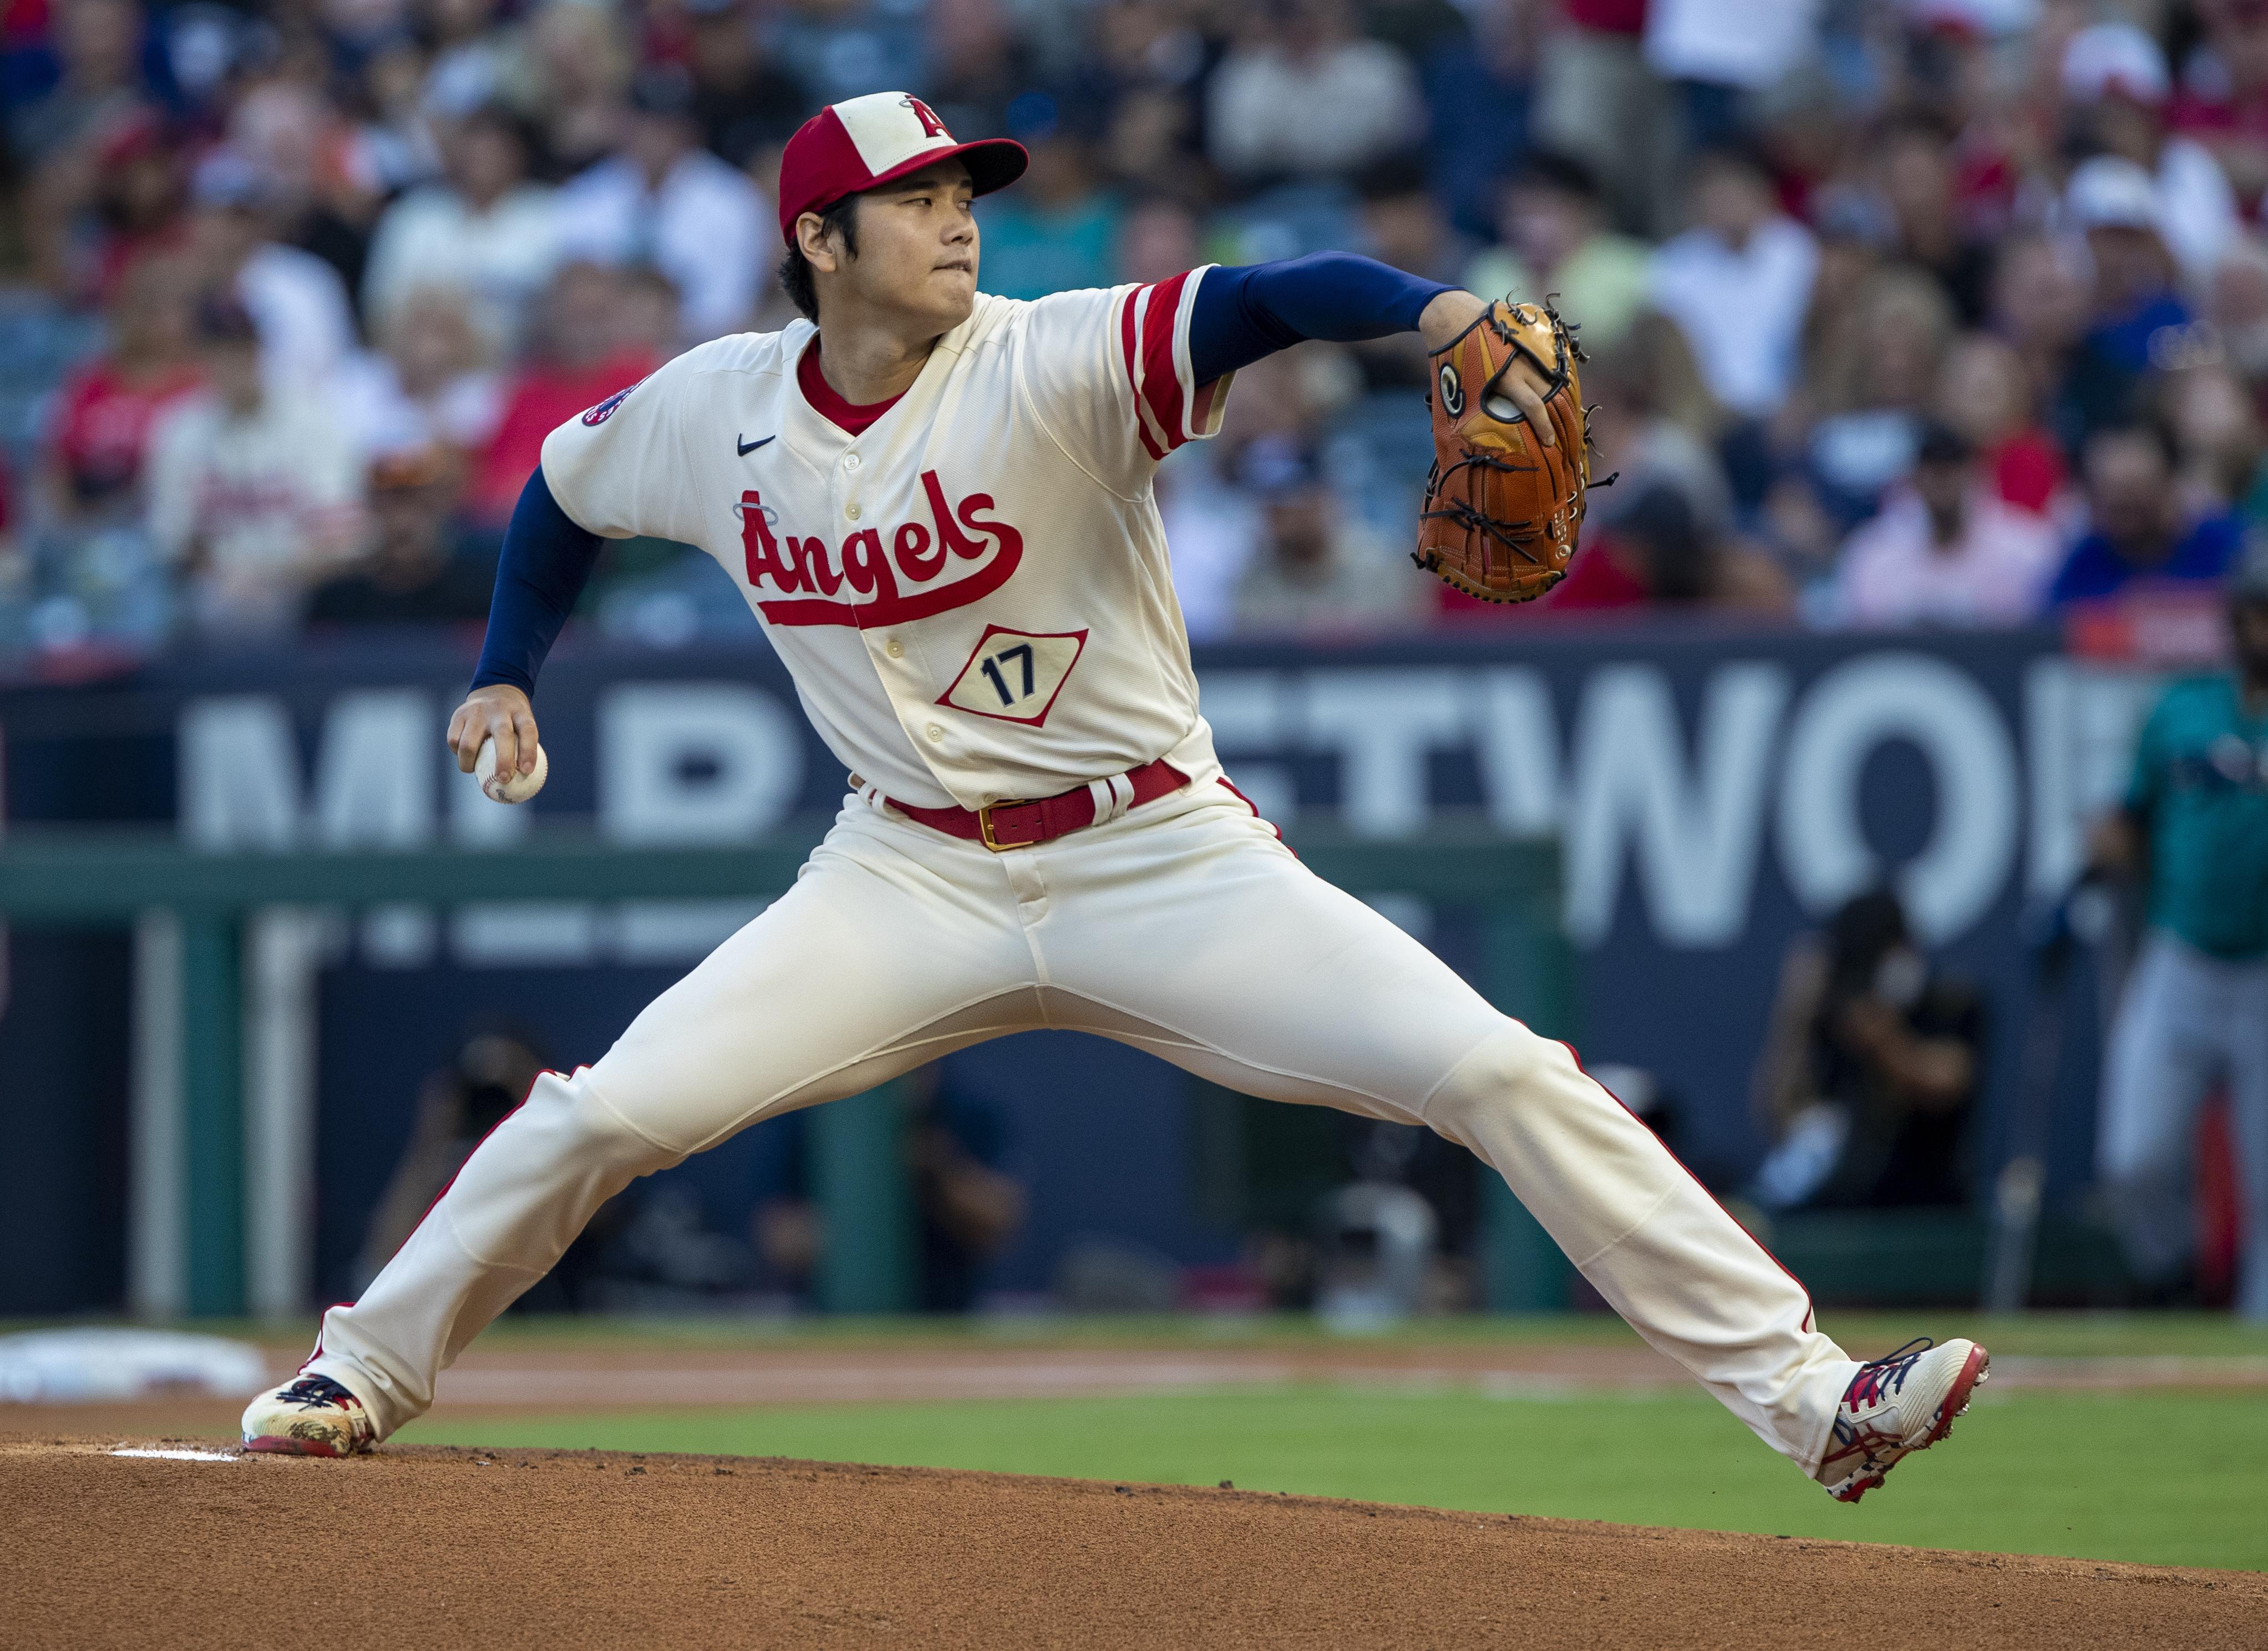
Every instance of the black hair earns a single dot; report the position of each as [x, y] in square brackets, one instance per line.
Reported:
[795, 271]
[1560, 173]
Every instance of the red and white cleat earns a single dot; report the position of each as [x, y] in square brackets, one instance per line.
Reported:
[1895, 1405]
[310, 1416]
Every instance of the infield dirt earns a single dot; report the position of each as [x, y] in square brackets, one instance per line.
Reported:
[435, 1546]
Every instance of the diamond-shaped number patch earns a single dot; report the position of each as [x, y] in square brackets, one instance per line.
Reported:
[1015, 675]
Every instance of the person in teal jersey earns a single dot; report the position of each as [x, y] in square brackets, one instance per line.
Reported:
[2195, 1011]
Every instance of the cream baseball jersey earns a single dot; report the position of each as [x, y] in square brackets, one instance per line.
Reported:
[974, 595]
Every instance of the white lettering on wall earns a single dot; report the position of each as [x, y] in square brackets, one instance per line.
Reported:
[1847, 713]
[695, 763]
[1694, 826]
[1384, 723]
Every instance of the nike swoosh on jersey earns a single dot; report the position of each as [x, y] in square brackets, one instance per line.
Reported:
[747, 448]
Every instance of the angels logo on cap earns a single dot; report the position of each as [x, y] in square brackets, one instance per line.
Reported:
[863, 142]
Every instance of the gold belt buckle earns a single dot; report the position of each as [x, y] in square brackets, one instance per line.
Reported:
[985, 828]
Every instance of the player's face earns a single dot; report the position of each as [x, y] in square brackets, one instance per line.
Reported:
[917, 247]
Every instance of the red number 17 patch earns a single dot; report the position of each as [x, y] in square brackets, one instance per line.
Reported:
[1015, 675]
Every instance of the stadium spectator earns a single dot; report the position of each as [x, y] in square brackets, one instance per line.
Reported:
[1984, 393]
[1157, 240]
[584, 350]
[2116, 85]
[99, 45]
[2217, 434]
[2135, 303]
[664, 202]
[1742, 257]
[483, 229]
[141, 199]
[1915, 170]
[1873, 369]
[1598, 101]
[254, 493]
[742, 100]
[2194, 1014]
[1657, 552]
[568, 76]
[2221, 101]
[1301, 94]
[429, 380]
[1946, 550]
[2139, 536]
[297, 301]
[1058, 229]
[99, 438]
[1316, 570]
[421, 565]
[1869, 1070]
[1553, 240]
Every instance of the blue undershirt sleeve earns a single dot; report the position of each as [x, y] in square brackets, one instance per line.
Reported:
[546, 562]
[1243, 313]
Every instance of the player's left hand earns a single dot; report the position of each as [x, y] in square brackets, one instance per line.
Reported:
[1522, 380]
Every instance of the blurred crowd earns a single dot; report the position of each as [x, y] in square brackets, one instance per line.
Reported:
[1900, 311]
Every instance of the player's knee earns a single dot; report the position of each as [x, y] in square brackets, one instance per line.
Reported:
[567, 1116]
[1509, 1063]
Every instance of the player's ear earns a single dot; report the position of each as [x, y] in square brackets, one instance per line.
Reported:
[817, 245]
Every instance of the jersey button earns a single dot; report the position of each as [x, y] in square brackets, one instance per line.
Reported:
[852, 510]
[936, 732]
[897, 650]
[850, 461]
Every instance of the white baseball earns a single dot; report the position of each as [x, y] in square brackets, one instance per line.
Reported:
[513, 787]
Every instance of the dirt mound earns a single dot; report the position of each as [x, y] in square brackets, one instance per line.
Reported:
[427, 1546]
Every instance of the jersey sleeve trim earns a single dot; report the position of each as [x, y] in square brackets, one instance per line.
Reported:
[1170, 408]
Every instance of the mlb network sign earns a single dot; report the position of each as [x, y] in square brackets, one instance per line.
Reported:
[1691, 777]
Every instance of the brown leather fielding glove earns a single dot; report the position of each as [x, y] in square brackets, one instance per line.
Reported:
[1502, 510]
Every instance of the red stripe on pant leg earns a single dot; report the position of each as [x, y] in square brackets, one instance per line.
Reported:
[1257, 814]
[1810, 1309]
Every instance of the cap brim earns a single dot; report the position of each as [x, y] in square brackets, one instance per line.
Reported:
[994, 162]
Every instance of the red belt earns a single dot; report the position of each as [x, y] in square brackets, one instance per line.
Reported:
[1002, 825]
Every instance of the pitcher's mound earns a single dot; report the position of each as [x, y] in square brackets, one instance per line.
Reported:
[185, 1543]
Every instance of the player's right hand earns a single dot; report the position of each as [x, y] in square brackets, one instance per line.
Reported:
[499, 712]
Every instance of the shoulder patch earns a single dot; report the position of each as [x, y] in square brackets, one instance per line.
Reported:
[605, 409]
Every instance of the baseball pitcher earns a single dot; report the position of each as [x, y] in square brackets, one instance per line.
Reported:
[939, 505]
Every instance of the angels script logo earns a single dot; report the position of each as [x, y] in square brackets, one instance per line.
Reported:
[892, 575]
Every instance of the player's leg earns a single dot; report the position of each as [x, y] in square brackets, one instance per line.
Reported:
[872, 964]
[1200, 938]
[2159, 1063]
[2245, 1033]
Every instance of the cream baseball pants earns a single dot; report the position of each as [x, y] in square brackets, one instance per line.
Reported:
[1185, 928]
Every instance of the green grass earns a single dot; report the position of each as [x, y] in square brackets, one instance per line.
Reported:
[2158, 1476]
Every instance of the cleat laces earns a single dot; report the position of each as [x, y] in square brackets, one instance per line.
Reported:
[1890, 1372]
[310, 1391]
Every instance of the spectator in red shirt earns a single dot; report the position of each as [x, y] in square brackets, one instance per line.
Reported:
[595, 336]
[1983, 392]
[99, 433]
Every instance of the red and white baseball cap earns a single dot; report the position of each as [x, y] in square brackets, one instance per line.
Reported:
[863, 142]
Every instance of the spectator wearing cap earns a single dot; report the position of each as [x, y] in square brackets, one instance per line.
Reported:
[484, 229]
[2116, 87]
[2137, 536]
[1055, 233]
[1551, 226]
[141, 198]
[296, 300]
[423, 566]
[665, 201]
[1316, 571]
[1302, 94]
[2135, 301]
[1738, 282]
[2193, 828]
[1944, 549]
[254, 493]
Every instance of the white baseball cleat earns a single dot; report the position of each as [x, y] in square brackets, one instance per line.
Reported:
[309, 1416]
[1895, 1405]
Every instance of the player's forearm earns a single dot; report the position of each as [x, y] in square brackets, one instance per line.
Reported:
[1241, 314]
[546, 560]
